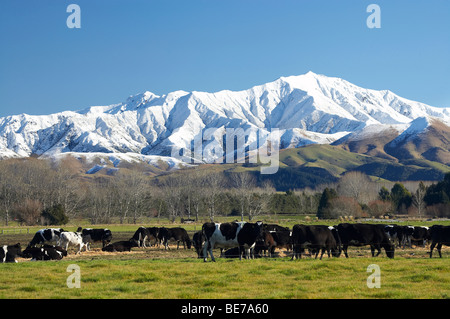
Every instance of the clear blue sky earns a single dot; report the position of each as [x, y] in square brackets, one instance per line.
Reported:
[126, 47]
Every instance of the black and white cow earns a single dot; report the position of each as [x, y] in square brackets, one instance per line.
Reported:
[8, 253]
[143, 234]
[140, 236]
[95, 235]
[46, 252]
[179, 234]
[230, 235]
[46, 235]
[71, 238]
[365, 234]
[440, 235]
[120, 246]
[315, 238]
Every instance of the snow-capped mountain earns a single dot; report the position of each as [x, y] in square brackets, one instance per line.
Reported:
[306, 109]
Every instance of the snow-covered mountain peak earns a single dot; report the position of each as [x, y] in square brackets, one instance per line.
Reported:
[308, 108]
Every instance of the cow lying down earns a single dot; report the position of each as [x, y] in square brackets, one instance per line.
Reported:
[46, 252]
[119, 246]
[8, 253]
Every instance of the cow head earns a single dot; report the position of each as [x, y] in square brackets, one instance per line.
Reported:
[390, 249]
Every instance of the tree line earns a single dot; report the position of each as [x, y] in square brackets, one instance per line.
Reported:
[44, 192]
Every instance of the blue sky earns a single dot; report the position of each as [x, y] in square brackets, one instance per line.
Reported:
[128, 47]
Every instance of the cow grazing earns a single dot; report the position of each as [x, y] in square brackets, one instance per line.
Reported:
[265, 243]
[46, 235]
[46, 252]
[315, 238]
[440, 235]
[8, 253]
[198, 240]
[71, 238]
[177, 233]
[365, 234]
[230, 235]
[95, 235]
[120, 246]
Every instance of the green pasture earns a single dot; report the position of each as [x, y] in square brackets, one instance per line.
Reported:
[156, 273]
[259, 278]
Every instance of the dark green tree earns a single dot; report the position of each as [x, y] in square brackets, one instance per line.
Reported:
[324, 204]
[384, 194]
[401, 197]
[55, 215]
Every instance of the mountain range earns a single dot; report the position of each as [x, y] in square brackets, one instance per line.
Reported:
[306, 109]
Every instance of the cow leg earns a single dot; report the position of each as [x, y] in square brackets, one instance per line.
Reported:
[344, 248]
[439, 246]
[205, 251]
[321, 254]
[211, 254]
[433, 244]
[378, 247]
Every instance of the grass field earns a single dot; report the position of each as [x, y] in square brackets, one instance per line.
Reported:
[156, 273]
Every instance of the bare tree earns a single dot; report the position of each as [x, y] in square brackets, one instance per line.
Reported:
[242, 184]
[418, 199]
[358, 186]
[29, 211]
[212, 184]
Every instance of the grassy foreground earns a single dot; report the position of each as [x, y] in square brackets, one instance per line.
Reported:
[261, 278]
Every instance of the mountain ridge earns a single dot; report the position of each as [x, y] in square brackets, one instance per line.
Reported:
[307, 109]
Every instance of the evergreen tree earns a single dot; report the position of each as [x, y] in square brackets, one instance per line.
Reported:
[324, 203]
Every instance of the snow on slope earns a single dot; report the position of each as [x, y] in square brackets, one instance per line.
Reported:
[307, 109]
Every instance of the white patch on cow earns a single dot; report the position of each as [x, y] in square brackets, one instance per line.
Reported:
[5, 250]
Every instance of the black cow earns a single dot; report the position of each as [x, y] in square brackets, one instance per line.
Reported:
[315, 238]
[264, 243]
[179, 234]
[230, 235]
[270, 240]
[46, 252]
[440, 235]
[8, 253]
[46, 235]
[120, 246]
[94, 235]
[421, 235]
[365, 234]
[274, 227]
[198, 240]
[231, 253]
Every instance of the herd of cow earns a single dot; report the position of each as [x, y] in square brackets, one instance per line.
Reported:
[240, 238]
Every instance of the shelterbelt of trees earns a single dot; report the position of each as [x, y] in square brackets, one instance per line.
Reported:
[40, 192]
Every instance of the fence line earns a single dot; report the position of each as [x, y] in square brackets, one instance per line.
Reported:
[15, 231]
